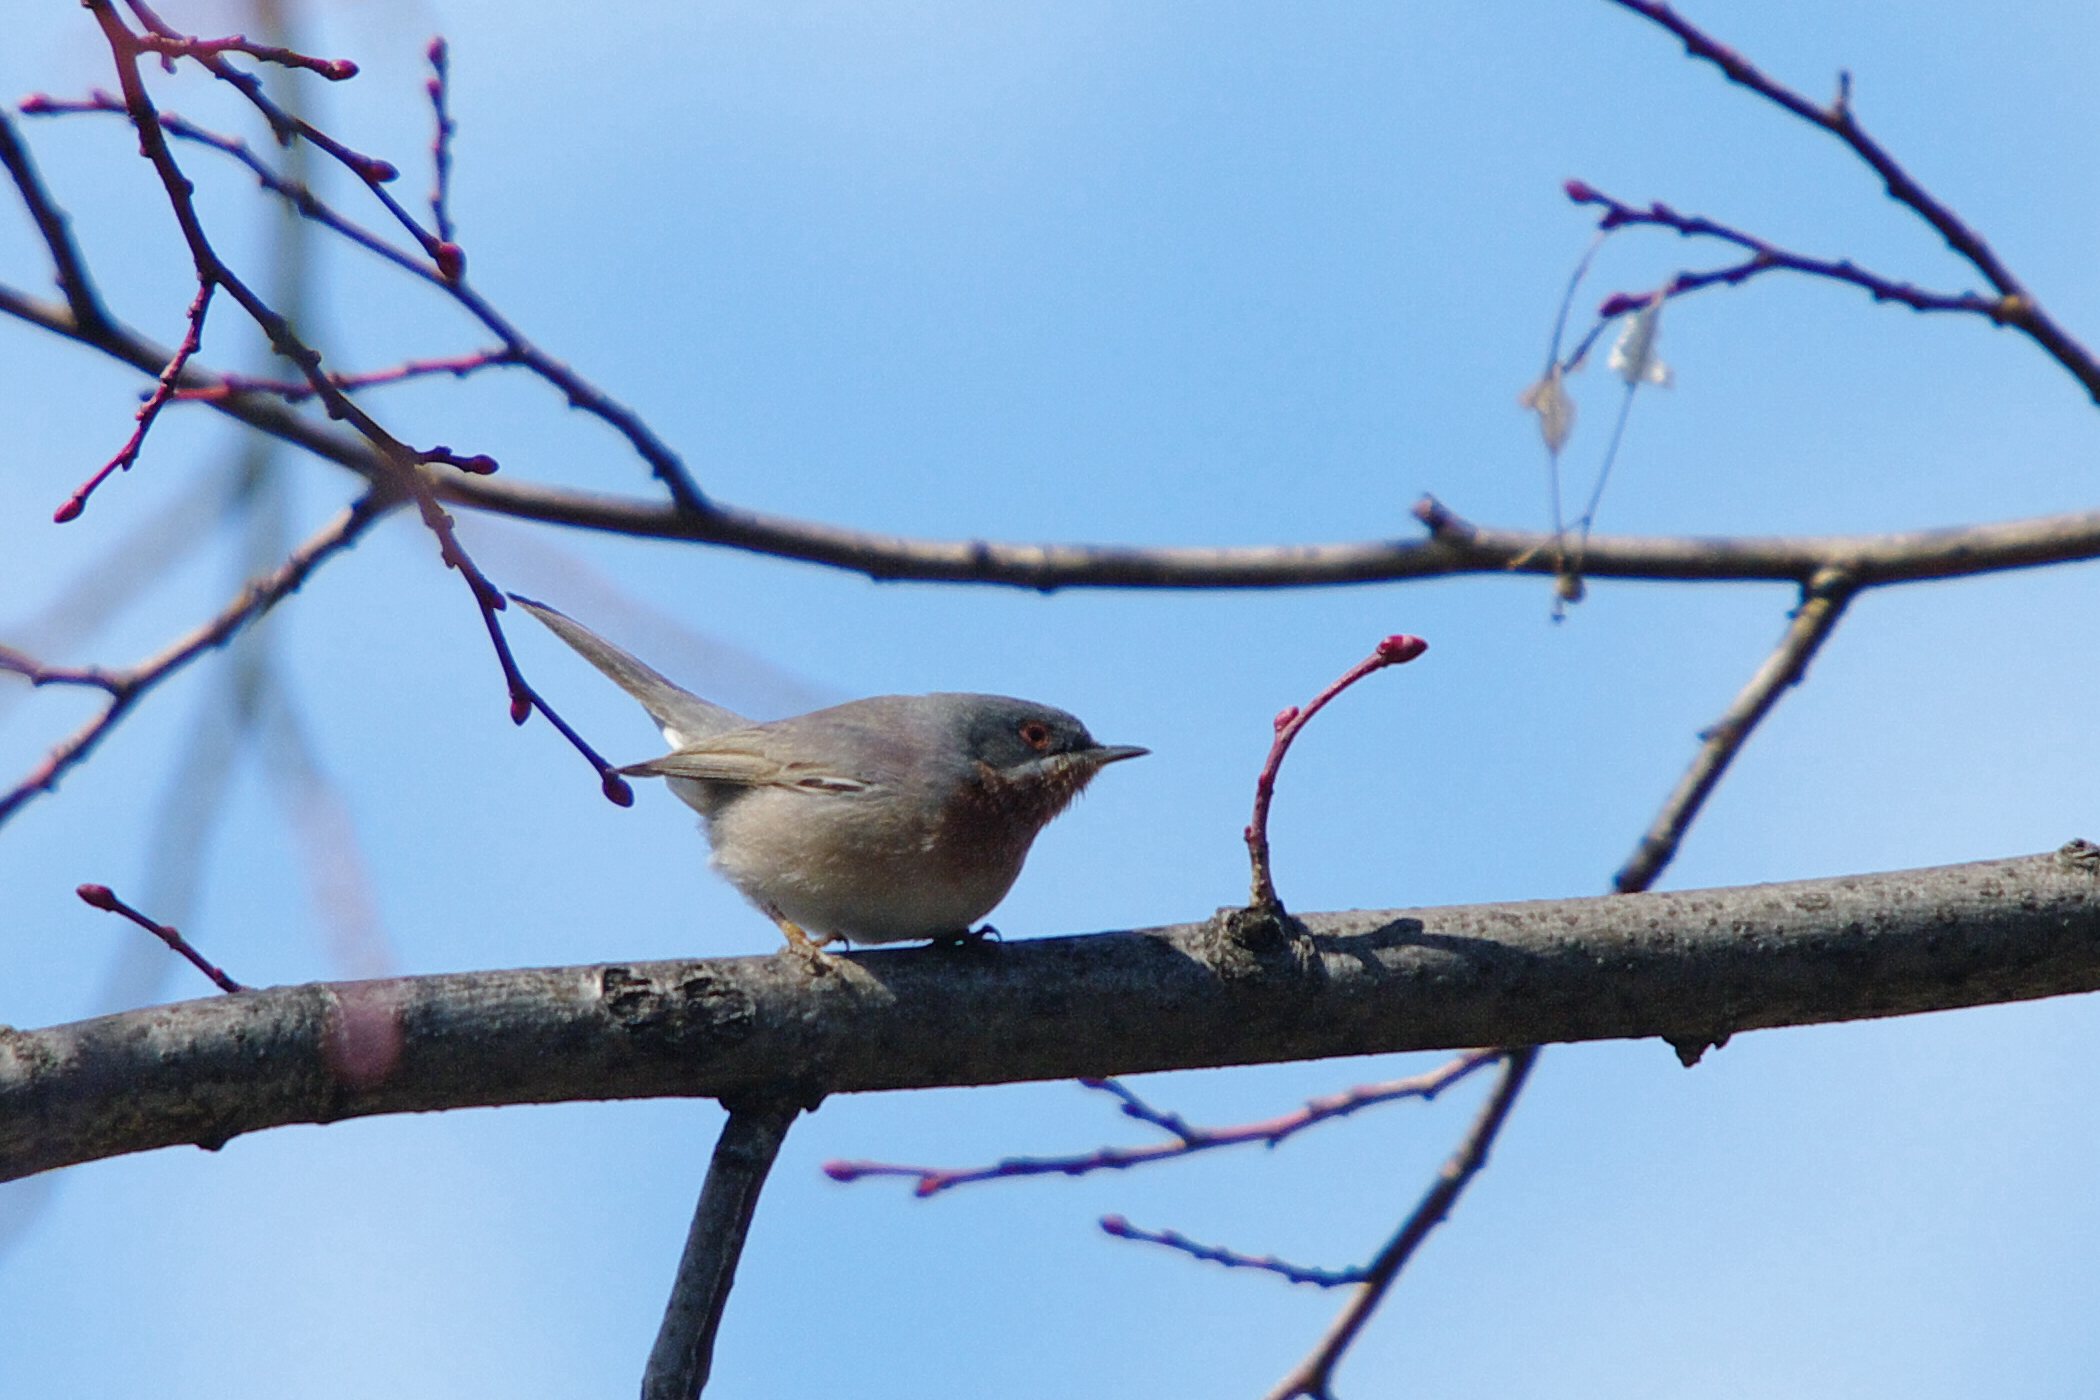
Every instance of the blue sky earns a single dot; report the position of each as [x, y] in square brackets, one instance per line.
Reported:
[1163, 274]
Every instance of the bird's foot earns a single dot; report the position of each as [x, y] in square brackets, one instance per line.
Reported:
[800, 944]
[969, 938]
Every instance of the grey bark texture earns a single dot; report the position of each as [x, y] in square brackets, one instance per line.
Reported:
[683, 1357]
[1691, 967]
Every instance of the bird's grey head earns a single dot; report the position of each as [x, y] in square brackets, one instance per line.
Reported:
[1032, 759]
[1014, 736]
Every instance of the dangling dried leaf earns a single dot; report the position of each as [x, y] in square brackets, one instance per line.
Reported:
[1556, 410]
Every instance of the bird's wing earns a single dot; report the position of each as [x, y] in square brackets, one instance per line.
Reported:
[683, 716]
[737, 757]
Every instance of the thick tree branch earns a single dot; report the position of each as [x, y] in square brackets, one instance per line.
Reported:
[1693, 967]
[1454, 546]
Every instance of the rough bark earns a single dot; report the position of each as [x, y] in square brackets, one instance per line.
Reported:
[1692, 967]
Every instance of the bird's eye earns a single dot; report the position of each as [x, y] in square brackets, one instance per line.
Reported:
[1036, 735]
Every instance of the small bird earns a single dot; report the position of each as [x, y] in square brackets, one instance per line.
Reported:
[890, 818]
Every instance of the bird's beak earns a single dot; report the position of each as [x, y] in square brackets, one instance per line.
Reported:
[1102, 754]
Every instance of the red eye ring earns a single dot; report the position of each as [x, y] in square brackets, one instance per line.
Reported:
[1036, 735]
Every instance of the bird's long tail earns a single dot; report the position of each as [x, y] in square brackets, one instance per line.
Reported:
[683, 715]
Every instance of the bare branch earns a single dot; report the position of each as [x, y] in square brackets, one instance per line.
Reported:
[1679, 965]
[298, 391]
[171, 45]
[1314, 1376]
[443, 128]
[683, 1356]
[1822, 605]
[51, 223]
[1187, 1138]
[293, 192]
[445, 270]
[2017, 306]
[128, 686]
[287, 126]
[1119, 1228]
[1455, 545]
[1764, 257]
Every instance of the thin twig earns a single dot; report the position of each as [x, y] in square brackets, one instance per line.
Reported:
[441, 138]
[683, 1356]
[444, 269]
[104, 898]
[1118, 1227]
[1549, 397]
[163, 390]
[38, 673]
[51, 223]
[127, 687]
[397, 465]
[2017, 306]
[169, 45]
[1822, 605]
[1764, 257]
[298, 391]
[1313, 1377]
[1188, 1140]
[294, 192]
[287, 126]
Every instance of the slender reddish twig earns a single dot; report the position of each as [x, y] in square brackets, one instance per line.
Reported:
[399, 464]
[299, 196]
[1122, 1229]
[1187, 1139]
[1393, 651]
[1313, 1377]
[375, 173]
[445, 271]
[172, 46]
[1823, 604]
[476, 464]
[102, 897]
[297, 391]
[211, 269]
[441, 139]
[163, 390]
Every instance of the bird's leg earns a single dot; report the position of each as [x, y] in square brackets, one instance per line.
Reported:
[800, 943]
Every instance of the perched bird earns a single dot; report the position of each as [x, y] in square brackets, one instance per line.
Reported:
[894, 817]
